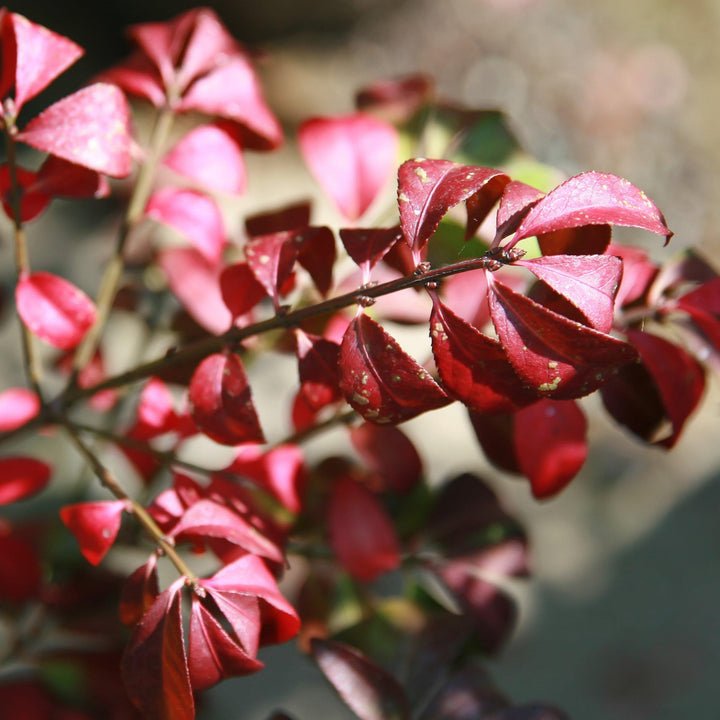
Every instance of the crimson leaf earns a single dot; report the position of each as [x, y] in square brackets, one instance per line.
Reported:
[241, 291]
[21, 477]
[95, 526]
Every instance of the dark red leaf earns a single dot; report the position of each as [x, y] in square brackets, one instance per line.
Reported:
[368, 246]
[551, 444]
[318, 369]
[708, 323]
[382, 382]
[194, 216]
[60, 178]
[248, 575]
[390, 454]
[21, 477]
[196, 283]
[590, 282]
[95, 526]
[54, 309]
[88, 128]
[680, 379]
[592, 198]
[32, 201]
[396, 100]
[139, 592]
[17, 406]
[21, 571]
[220, 401]
[154, 665]
[232, 92]
[705, 298]
[351, 157]
[427, 189]
[317, 253]
[41, 55]
[241, 291]
[366, 688]
[361, 533]
[212, 156]
[638, 273]
[466, 295]
[584, 240]
[473, 367]
[555, 356]
[271, 258]
[209, 519]
[289, 217]
[212, 653]
[516, 201]
[495, 435]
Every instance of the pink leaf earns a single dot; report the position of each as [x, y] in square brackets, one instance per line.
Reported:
[271, 259]
[41, 55]
[212, 653]
[196, 283]
[551, 444]
[473, 367]
[590, 282]
[194, 216]
[389, 453]
[137, 76]
[221, 403]
[209, 519]
[555, 356]
[156, 411]
[95, 526]
[361, 532]
[154, 666]
[232, 92]
[21, 477]
[17, 406]
[212, 156]
[351, 157]
[365, 687]
[241, 291]
[427, 189]
[382, 382]
[54, 309]
[248, 575]
[88, 128]
[679, 378]
[592, 198]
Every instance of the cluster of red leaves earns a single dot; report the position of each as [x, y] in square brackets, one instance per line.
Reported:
[518, 346]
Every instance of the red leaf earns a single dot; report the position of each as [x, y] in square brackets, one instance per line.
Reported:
[473, 367]
[318, 369]
[232, 92]
[196, 283]
[366, 688]
[427, 189]
[137, 76]
[317, 253]
[367, 246]
[95, 526]
[213, 654]
[32, 200]
[638, 273]
[221, 403]
[271, 258]
[551, 446]
[705, 298]
[590, 282]
[495, 435]
[680, 379]
[592, 198]
[585, 240]
[60, 178]
[88, 128]
[17, 406]
[156, 412]
[361, 533]
[379, 380]
[466, 295]
[289, 217]
[248, 575]
[516, 201]
[555, 356]
[21, 477]
[351, 157]
[54, 309]
[21, 572]
[154, 666]
[388, 452]
[139, 592]
[209, 519]
[41, 55]
[241, 291]
[194, 216]
[212, 156]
